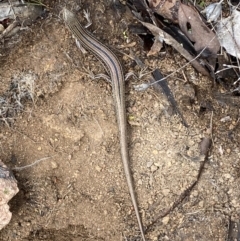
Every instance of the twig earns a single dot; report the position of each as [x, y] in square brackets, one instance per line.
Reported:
[211, 132]
[32, 164]
[8, 29]
[99, 125]
[204, 149]
[145, 86]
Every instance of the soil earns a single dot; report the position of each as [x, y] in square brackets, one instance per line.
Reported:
[79, 192]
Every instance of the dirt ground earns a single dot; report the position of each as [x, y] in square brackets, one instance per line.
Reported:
[80, 191]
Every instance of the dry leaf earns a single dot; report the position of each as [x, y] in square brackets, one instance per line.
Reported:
[166, 8]
[156, 47]
[213, 11]
[194, 28]
[228, 30]
[168, 39]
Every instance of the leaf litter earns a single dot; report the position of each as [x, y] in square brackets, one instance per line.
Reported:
[228, 30]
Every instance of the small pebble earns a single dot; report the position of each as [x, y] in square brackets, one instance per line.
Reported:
[194, 194]
[98, 168]
[226, 118]
[165, 192]
[54, 165]
[165, 220]
[227, 175]
[153, 168]
[169, 163]
[200, 204]
[230, 191]
[140, 182]
[149, 164]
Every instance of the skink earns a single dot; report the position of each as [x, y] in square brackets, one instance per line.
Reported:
[114, 68]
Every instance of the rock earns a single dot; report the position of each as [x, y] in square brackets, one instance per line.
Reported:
[54, 165]
[8, 189]
[153, 168]
[98, 168]
[165, 220]
[165, 192]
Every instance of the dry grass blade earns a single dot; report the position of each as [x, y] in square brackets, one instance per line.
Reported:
[22, 88]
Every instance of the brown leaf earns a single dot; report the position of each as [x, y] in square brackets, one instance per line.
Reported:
[168, 39]
[166, 8]
[193, 27]
[156, 47]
